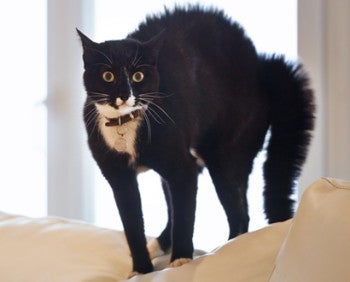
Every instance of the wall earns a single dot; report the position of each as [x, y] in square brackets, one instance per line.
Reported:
[323, 46]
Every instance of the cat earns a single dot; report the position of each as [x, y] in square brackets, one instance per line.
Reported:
[187, 87]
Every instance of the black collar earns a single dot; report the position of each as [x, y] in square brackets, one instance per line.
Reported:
[123, 119]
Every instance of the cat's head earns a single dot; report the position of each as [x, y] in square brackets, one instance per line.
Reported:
[121, 75]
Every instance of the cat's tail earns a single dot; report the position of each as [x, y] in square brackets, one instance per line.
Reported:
[291, 115]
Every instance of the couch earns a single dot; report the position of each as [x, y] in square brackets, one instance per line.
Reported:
[314, 246]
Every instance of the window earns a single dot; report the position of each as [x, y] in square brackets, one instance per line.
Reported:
[23, 112]
[272, 25]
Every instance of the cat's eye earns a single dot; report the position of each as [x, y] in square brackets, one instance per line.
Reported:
[108, 76]
[138, 76]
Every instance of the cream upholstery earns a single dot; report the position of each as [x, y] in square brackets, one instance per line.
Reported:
[312, 247]
[317, 247]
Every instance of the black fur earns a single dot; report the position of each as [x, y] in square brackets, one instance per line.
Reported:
[214, 94]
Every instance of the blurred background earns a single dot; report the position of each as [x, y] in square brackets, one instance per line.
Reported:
[46, 168]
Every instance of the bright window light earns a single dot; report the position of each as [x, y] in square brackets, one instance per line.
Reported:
[23, 113]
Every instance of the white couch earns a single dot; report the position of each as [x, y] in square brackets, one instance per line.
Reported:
[312, 247]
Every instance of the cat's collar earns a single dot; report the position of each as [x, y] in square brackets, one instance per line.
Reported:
[123, 119]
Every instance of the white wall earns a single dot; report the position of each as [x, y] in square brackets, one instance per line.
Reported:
[338, 87]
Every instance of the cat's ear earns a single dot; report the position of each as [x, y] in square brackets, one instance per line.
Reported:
[86, 41]
[92, 51]
[153, 46]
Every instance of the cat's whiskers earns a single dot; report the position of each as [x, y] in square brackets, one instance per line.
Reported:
[98, 94]
[145, 65]
[156, 106]
[97, 101]
[155, 94]
[155, 116]
[102, 64]
[134, 62]
[92, 116]
[97, 97]
[148, 125]
[153, 111]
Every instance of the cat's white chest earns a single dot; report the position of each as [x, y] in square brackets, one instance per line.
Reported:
[121, 138]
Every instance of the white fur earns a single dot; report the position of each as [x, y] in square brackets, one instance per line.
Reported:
[110, 134]
[126, 108]
[198, 158]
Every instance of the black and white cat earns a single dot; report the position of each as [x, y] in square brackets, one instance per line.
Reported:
[189, 84]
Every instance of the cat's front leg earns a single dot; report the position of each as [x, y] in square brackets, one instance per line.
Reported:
[127, 197]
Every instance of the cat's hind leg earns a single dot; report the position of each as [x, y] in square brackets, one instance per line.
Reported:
[229, 167]
[230, 180]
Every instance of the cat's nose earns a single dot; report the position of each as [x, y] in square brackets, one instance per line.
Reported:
[121, 100]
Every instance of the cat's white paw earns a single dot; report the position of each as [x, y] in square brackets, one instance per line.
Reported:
[154, 249]
[180, 261]
[132, 274]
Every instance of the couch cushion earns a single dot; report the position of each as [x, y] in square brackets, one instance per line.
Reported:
[53, 249]
[317, 248]
[247, 258]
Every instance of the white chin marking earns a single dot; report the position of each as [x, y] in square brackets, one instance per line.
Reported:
[107, 111]
[126, 108]
[131, 101]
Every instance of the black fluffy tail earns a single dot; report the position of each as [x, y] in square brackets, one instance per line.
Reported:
[291, 115]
